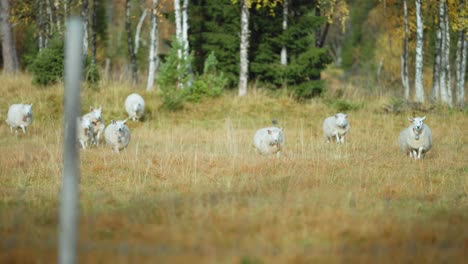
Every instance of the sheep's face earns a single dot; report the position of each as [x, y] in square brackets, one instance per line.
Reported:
[275, 136]
[28, 110]
[341, 120]
[418, 123]
[137, 107]
[120, 125]
[97, 114]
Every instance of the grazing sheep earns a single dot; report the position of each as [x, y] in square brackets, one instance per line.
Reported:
[85, 131]
[117, 135]
[416, 140]
[95, 116]
[20, 116]
[135, 106]
[337, 127]
[269, 140]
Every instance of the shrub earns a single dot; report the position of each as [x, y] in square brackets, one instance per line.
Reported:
[211, 84]
[47, 66]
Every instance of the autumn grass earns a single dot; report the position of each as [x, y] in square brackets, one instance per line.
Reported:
[190, 187]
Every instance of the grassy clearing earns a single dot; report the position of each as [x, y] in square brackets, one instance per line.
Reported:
[190, 186]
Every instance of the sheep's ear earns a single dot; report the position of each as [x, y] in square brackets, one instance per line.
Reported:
[91, 108]
[113, 122]
[125, 121]
[269, 132]
[410, 119]
[424, 117]
[100, 107]
[346, 116]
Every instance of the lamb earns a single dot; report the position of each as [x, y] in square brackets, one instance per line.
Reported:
[19, 116]
[269, 140]
[85, 131]
[117, 135]
[95, 116]
[416, 140]
[135, 106]
[337, 127]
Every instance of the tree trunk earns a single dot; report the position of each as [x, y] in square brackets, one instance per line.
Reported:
[437, 57]
[185, 41]
[178, 24]
[446, 50]
[10, 58]
[84, 16]
[244, 47]
[94, 32]
[138, 30]
[444, 58]
[58, 18]
[153, 49]
[404, 57]
[418, 84]
[284, 52]
[128, 28]
[41, 24]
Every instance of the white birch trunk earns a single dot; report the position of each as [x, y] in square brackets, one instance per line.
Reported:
[284, 52]
[185, 41]
[84, 17]
[153, 50]
[448, 74]
[244, 46]
[418, 84]
[437, 58]
[178, 24]
[404, 57]
[444, 58]
[138, 31]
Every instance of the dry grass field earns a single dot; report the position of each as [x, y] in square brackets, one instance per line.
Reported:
[190, 187]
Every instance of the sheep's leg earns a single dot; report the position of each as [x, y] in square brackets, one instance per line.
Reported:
[342, 139]
[82, 144]
[420, 150]
[278, 154]
[24, 129]
[337, 138]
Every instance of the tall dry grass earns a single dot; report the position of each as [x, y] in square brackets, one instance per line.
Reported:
[191, 188]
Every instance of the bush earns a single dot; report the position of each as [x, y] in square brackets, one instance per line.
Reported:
[211, 84]
[92, 75]
[172, 79]
[47, 66]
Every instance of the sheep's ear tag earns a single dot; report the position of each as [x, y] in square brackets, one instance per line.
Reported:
[269, 132]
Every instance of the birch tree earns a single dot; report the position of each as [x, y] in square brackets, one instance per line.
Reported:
[404, 57]
[10, 57]
[444, 58]
[244, 47]
[84, 17]
[153, 49]
[418, 83]
[178, 24]
[284, 52]
[94, 32]
[446, 54]
[437, 56]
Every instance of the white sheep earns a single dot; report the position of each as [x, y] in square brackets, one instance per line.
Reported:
[19, 116]
[337, 127]
[269, 140]
[117, 135]
[135, 106]
[95, 116]
[85, 131]
[416, 140]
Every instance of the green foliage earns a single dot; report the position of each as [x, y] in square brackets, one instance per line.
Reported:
[342, 105]
[214, 26]
[211, 84]
[173, 79]
[92, 75]
[47, 67]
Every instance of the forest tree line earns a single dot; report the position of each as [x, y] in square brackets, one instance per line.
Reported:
[184, 45]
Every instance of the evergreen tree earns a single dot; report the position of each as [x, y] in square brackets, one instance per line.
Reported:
[214, 27]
